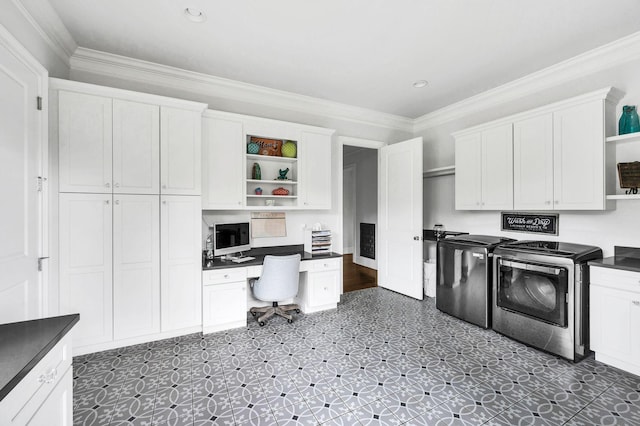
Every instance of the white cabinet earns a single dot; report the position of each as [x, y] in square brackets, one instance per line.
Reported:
[180, 262]
[44, 396]
[223, 163]
[484, 169]
[533, 163]
[136, 147]
[224, 299]
[180, 151]
[578, 140]
[319, 288]
[85, 228]
[315, 170]
[614, 316]
[85, 142]
[136, 265]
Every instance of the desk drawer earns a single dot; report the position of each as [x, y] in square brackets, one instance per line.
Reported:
[325, 265]
[23, 401]
[223, 276]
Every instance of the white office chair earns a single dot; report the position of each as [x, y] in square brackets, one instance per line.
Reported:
[278, 282]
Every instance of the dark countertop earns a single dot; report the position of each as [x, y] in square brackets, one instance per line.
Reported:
[23, 344]
[624, 258]
[259, 254]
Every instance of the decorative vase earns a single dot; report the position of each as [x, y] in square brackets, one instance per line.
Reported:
[258, 191]
[280, 191]
[256, 174]
[629, 122]
[253, 148]
[289, 149]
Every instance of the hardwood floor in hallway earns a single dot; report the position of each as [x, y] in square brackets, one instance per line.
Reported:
[357, 277]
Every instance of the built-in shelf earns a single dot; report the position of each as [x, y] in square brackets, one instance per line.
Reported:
[272, 196]
[278, 182]
[624, 197]
[258, 157]
[630, 137]
[439, 171]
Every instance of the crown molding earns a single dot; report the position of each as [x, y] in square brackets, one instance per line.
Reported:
[610, 55]
[44, 19]
[107, 64]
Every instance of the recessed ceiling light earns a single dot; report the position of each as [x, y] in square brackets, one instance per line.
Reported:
[420, 83]
[194, 15]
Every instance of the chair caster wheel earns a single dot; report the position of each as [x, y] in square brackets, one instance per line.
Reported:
[253, 314]
[261, 323]
[297, 311]
[289, 321]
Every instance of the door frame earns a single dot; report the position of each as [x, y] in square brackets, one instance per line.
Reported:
[42, 75]
[353, 245]
[358, 142]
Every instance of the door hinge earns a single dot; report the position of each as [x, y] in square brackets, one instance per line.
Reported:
[41, 181]
[39, 103]
[40, 259]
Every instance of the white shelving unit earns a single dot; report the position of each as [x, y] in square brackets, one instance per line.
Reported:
[622, 149]
[269, 171]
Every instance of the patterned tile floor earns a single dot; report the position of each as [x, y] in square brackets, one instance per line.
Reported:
[380, 358]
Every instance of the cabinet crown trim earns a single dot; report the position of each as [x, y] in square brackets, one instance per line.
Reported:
[122, 94]
[224, 115]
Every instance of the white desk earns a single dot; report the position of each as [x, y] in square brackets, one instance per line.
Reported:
[226, 295]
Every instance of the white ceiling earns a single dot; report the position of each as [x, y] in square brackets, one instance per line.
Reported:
[365, 53]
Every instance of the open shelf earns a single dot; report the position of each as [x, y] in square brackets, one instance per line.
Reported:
[258, 157]
[272, 196]
[275, 181]
[629, 137]
[624, 197]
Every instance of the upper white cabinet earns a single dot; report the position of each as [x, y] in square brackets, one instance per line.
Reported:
[557, 160]
[315, 170]
[85, 143]
[228, 167]
[180, 151]
[484, 169]
[136, 147]
[533, 163]
[122, 142]
[223, 162]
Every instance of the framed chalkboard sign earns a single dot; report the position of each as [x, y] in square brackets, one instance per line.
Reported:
[533, 223]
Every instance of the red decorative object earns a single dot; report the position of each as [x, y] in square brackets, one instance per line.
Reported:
[280, 191]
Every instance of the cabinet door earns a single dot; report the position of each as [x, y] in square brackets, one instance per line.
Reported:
[468, 176]
[578, 137]
[614, 323]
[180, 257]
[533, 163]
[136, 148]
[497, 168]
[57, 409]
[315, 170]
[224, 304]
[86, 265]
[84, 143]
[136, 265]
[180, 155]
[323, 287]
[223, 168]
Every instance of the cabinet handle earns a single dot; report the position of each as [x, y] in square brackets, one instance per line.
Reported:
[226, 275]
[48, 377]
[556, 202]
[117, 202]
[547, 202]
[107, 185]
[164, 186]
[636, 302]
[243, 288]
[239, 202]
[326, 289]
[164, 202]
[107, 202]
[116, 185]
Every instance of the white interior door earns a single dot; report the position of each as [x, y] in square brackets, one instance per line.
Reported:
[21, 140]
[400, 217]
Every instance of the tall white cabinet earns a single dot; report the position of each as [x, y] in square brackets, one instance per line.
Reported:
[129, 214]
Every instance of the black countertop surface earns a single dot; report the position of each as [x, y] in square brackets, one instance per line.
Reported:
[259, 254]
[24, 344]
[625, 258]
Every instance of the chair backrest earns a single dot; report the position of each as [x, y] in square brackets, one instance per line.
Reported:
[279, 279]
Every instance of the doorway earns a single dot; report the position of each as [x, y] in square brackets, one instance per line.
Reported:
[360, 217]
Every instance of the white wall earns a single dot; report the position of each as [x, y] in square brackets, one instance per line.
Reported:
[366, 161]
[13, 19]
[603, 229]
